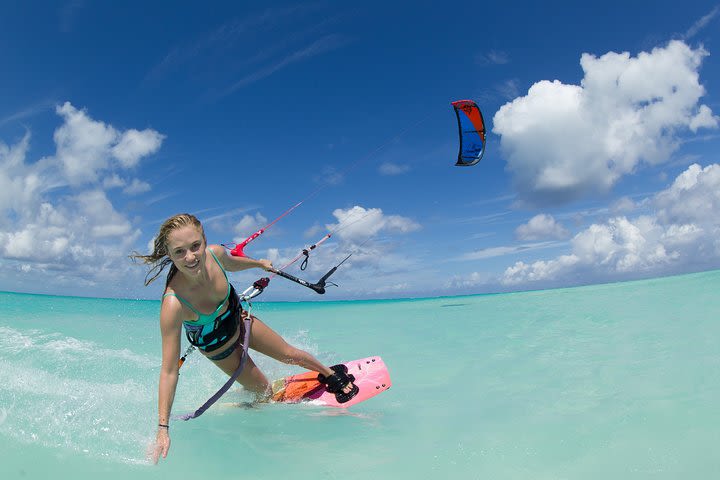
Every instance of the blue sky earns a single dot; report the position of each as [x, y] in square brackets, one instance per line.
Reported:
[601, 161]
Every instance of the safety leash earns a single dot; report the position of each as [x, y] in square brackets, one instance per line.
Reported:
[247, 320]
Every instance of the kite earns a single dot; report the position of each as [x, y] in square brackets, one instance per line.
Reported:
[471, 128]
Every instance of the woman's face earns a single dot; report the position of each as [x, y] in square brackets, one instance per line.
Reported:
[186, 248]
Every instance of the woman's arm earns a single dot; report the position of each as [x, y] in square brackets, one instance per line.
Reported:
[235, 264]
[170, 329]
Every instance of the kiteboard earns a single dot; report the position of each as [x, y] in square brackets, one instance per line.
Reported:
[371, 377]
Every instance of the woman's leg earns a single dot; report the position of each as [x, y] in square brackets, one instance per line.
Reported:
[266, 341]
[251, 377]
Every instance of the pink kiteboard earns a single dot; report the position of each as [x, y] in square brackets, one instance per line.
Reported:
[371, 377]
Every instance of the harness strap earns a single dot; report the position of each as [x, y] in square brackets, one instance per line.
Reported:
[243, 359]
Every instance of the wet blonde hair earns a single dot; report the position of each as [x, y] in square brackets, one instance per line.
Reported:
[159, 258]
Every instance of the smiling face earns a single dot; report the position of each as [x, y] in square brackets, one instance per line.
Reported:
[186, 248]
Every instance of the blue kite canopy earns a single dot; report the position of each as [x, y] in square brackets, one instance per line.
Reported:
[471, 128]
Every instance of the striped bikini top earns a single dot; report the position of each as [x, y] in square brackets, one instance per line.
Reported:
[205, 319]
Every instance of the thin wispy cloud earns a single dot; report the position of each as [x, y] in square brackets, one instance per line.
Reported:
[507, 250]
[501, 198]
[701, 23]
[231, 213]
[222, 38]
[493, 57]
[323, 45]
[509, 90]
[505, 91]
[27, 112]
[389, 168]
[290, 39]
[481, 219]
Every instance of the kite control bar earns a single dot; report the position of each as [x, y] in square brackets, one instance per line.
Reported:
[318, 287]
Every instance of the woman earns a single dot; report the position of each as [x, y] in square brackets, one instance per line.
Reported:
[197, 283]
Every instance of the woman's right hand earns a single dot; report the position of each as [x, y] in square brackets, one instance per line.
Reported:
[162, 444]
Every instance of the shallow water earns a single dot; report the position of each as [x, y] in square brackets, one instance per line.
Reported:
[608, 381]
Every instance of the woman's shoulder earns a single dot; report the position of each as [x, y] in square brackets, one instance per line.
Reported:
[171, 307]
[220, 254]
[170, 298]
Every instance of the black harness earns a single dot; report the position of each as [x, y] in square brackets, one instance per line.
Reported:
[224, 327]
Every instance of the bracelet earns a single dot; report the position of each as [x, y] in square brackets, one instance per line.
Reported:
[163, 425]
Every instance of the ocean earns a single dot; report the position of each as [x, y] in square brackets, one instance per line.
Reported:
[606, 381]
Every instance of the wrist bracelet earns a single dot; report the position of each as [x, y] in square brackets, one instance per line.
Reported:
[163, 425]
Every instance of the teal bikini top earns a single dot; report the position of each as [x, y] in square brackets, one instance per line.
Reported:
[205, 319]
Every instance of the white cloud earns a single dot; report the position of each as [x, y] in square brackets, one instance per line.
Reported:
[493, 57]
[133, 145]
[248, 225]
[330, 176]
[313, 231]
[541, 227]
[356, 233]
[20, 184]
[75, 233]
[86, 147]
[357, 224]
[113, 181]
[694, 196]
[94, 208]
[137, 187]
[680, 235]
[565, 141]
[68, 233]
[501, 251]
[702, 22]
[473, 279]
[623, 204]
[389, 168]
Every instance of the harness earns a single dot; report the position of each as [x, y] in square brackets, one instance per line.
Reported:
[211, 336]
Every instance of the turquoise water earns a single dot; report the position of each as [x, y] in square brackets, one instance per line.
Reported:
[609, 381]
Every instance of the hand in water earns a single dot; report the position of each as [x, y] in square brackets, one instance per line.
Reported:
[162, 445]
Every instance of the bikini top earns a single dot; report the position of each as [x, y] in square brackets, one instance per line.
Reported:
[205, 319]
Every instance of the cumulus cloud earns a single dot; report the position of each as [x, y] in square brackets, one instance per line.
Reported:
[69, 234]
[565, 141]
[623, 204]
[137, 187]
[76, 232]
[694, 196]
[132, 145]
[357, 224]
[20, 184]
[113, 181]
[86, 147]
[356, 234]
[473, 279]
[248, 225]
[541, 227]
[680, 235]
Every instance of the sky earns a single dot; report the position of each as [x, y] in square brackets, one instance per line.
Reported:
[601, 162]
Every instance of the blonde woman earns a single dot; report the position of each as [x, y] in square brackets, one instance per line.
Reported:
[199, 296]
